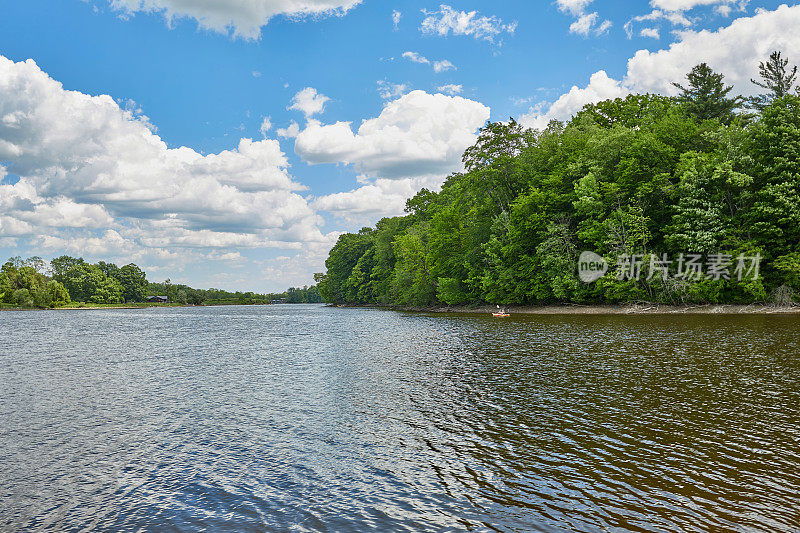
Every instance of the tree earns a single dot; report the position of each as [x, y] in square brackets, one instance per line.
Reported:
[341, 261]
[775, 148]
[706, 97]
[776, 79]
[494, 160]
[134, 283]
[61, 265]
[109, 269]
[23, 285]
[87, 283]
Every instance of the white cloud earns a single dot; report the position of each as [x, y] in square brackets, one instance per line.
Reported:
[735, 51]
[388, 90]
[675, 18]
[243, 18]
[687, 5]
[723, 11]
[309, 102]
[574, 7]
[443, 65]
[674, 12]
[396, 16]
[447, 20]
[266, 125]
[438, 66]
[601, 87]
[415, 57]
[652, 33]
[95, 178]
[451, 89]
[290, 131]
[585, 23]
[383, 198]
[419, 134]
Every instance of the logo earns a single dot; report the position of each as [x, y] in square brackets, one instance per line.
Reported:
[591, 267]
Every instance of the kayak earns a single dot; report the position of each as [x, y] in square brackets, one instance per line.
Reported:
[501, 315]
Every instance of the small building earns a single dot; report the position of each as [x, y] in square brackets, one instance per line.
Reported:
[157, 299]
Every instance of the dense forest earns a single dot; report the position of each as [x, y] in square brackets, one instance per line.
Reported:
[646, 182]
[67, 280]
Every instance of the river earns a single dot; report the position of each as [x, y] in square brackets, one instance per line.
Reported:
[308, 418]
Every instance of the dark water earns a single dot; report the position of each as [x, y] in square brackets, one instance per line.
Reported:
[304, 418]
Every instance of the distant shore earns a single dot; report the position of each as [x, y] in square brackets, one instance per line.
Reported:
[624, 309]
[88, 307]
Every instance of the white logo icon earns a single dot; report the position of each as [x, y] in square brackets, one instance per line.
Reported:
[591, 267]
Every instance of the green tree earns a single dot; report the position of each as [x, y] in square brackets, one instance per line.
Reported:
[706, 96]
[775, 215]
[341, 261]
[134, 283]
[87, 283]
[411, 279]
[775, 78]
[109, 269]
[61, 265]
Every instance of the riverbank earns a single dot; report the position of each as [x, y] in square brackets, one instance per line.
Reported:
[625, 309]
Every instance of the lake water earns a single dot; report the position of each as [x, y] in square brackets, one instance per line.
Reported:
[307, 418]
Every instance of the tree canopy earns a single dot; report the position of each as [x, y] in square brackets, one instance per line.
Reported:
[643, 177]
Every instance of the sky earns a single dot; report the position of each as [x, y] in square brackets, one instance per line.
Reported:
[228, 143]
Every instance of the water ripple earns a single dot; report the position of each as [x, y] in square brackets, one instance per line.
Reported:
[305, 418]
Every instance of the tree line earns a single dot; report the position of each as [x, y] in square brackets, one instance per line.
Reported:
[647, 176]
[68, 280]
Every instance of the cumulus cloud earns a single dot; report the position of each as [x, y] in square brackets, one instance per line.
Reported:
[416, 135]
[383, 198]
[243, 18]
[96, 179]
[674, 12]
[309, 102]
[735, 51]
[601, 87]
[447, 20]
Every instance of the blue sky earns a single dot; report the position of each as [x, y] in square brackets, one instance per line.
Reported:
[208, 210]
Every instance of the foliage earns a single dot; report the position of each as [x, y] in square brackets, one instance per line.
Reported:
[23, 284]
[706, 96]
[644, 175]
[775, 78]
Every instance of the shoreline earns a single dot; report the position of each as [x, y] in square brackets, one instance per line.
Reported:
[564, 309]
[576, 309]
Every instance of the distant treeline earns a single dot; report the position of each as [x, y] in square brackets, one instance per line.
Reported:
[34, 282]
[705, 172]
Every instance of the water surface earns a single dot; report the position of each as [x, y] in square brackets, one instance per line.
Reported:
[307, 418]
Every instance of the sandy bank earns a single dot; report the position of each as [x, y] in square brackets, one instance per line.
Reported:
[627, 309]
